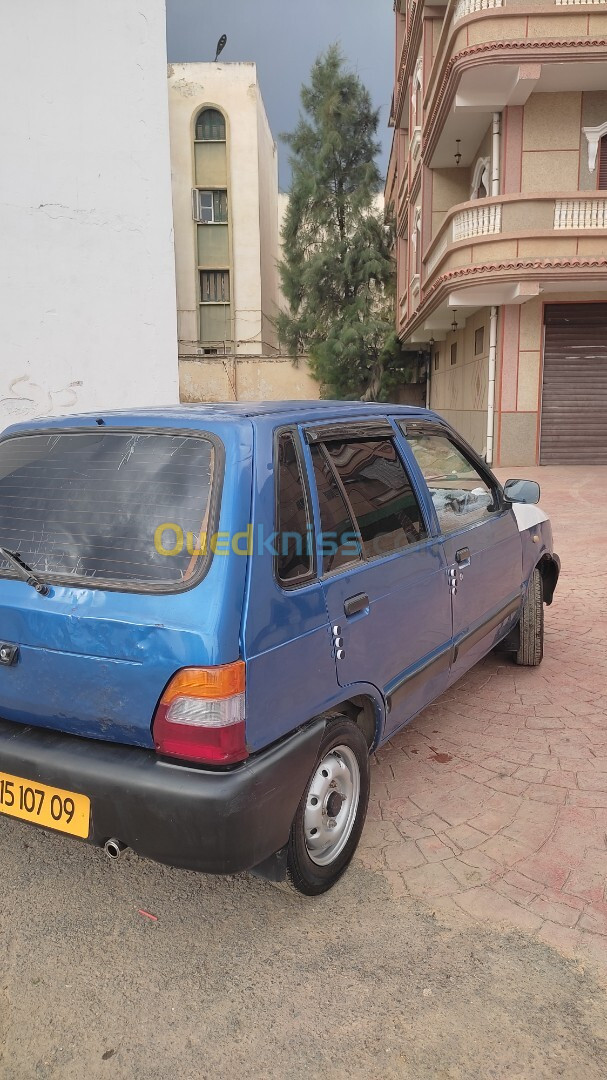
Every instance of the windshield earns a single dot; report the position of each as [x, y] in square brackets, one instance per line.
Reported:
[107, 507]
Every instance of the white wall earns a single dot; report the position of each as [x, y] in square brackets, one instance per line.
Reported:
[87, 281]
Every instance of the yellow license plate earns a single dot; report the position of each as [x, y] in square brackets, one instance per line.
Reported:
[43, 805]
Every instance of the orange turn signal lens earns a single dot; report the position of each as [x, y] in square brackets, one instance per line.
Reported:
[211, 683]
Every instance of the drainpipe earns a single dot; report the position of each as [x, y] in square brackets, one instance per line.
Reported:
[495, 190]
[491, 387]
[428, 376]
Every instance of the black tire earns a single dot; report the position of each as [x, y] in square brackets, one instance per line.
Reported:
[303, 871]
[531, 627]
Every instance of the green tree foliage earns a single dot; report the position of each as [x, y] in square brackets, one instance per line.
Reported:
[338, 273]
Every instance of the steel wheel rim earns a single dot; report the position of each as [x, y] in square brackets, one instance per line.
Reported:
[331, 805]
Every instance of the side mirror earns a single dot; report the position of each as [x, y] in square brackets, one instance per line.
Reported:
[522, 491]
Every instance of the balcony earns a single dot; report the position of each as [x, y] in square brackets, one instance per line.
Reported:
[506, 249]
[495, 53]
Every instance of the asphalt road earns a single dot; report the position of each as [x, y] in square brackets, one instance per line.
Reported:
[238, 978]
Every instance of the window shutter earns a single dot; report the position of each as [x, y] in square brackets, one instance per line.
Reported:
[603, 164]
[196, 207]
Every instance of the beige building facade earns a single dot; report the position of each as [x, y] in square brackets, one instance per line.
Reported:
[227, 214]
[498, 177]
[225, 203]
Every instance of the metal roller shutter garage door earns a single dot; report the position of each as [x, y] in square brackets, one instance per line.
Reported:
[574, 398]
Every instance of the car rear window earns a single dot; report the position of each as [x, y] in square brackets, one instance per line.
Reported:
[107, 508]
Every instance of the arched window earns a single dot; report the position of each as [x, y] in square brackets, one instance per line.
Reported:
[210, 126]
[480, 179]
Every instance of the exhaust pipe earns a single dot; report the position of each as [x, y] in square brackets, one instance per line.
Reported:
[113, 848]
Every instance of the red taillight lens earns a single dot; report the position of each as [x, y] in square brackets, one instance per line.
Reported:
[200, 716]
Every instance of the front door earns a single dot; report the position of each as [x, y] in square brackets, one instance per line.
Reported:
[383, 574]
[481, 542]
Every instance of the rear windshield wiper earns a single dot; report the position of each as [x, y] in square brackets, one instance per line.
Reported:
[24, 571]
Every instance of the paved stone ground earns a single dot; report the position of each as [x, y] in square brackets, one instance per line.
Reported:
[493, 803]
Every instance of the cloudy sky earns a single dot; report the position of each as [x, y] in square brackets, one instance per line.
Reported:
[284, 37]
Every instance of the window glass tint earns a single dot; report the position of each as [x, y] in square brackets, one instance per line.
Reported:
[386, 510]
[294, 539]
[93, 506]
[340, 544]
[460, 494]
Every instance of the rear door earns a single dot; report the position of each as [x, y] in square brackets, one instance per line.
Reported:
[480, 537]
[383, 574]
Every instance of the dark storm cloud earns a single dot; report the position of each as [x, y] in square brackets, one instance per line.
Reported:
[284, 37]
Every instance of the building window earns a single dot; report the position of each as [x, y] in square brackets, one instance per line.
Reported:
[454, 353]
[602, 169]
[436, 360]
[211, 207]
[210, 126]
[479, 341]
[480, 179]
[214, 287]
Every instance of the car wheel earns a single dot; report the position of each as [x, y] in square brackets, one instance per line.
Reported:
[330, 817]
[531, 626]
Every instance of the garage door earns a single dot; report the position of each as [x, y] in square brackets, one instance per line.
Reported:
[574, 399]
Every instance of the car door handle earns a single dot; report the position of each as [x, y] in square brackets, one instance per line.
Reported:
[462, 557]
[357, 603]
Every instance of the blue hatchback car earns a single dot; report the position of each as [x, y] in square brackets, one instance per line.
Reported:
[211, 615]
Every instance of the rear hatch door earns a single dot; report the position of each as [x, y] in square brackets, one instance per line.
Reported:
[117, 523]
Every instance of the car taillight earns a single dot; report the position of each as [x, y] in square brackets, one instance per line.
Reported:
[200, 715]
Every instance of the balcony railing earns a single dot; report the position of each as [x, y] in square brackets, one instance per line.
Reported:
[477, 221]
[580, 214]
[467, 228]
[436, 255]
[469, 7]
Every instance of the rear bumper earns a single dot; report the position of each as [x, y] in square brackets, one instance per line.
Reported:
[216, 822]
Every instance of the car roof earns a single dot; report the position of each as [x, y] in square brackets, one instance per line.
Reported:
[200, 414]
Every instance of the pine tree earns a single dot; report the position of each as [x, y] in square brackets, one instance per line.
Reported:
[338, 272]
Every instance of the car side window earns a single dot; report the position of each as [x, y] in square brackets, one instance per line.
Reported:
[461, 496]
[340, 541]
[383, 502]
[294, 540]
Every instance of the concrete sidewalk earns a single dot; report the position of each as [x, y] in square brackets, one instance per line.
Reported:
[494, 801]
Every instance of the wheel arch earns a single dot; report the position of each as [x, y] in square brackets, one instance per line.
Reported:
[549, 567]
[365, 707]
